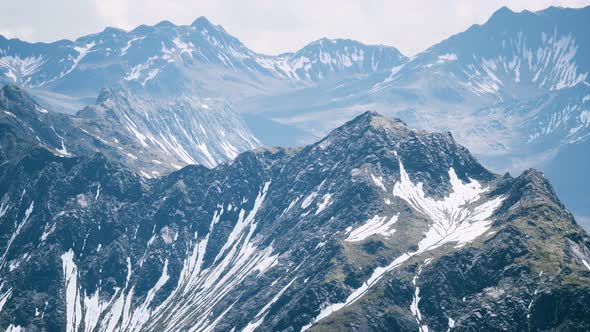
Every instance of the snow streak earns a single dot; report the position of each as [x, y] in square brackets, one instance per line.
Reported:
[458, 218]
[199, 289]
[374, 226]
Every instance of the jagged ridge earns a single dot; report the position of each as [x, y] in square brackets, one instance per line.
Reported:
[322, 237]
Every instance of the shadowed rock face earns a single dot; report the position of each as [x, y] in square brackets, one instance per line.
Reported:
[375, 227]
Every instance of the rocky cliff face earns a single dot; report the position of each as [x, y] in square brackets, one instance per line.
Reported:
[375, 227]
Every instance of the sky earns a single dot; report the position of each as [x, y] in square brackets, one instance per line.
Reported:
[266, 26]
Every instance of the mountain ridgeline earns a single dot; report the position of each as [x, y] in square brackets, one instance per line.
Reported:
[168, 59]
[376, 227]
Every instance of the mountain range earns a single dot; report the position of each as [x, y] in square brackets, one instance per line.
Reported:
[167, 59]
[376, 227]
[514, 90]
[169, 178]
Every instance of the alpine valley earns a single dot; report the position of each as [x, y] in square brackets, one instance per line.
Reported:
[139, 190]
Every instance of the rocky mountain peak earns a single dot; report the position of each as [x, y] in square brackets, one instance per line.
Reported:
[392, 124]
[202, 21]
[111, 98]
[112, 93]
[502, 12]
[535, 187]
[373, 122]
[104, 95]
[165, 24]
[113, 31]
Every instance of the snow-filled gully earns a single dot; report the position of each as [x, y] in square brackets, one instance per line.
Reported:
[416, 300]
[198, 290]
[458, 218]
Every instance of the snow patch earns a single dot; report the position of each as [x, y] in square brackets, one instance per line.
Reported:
[73, 306]
[307, 201]
[374, 226]
[416, 299]
[326, 201]
[21, 70]
[378, 181]
[446, 57]
[460, 218]
[63, 151]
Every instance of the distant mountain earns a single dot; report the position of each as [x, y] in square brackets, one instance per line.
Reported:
[157, 58]
[511, 54]
[185, 131]
[512, 57]
[151, 137]
[375, 227]
[336, 58]
[168, 59]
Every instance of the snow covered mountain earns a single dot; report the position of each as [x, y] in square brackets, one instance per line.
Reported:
[185, 131]
[168, 59]
[152, 137]
[512, 57]
[335, 58]
[375, 227]
[160, 58]
[512, 53]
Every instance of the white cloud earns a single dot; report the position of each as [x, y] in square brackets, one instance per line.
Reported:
[20, 32]
[114, 13]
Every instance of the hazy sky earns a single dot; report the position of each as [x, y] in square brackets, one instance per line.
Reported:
[267, 26]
